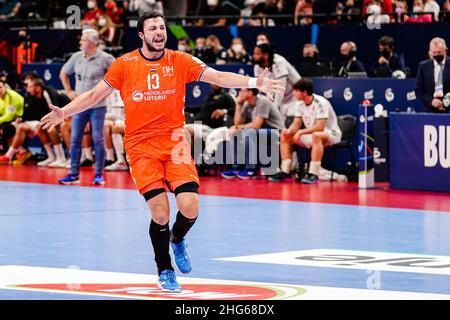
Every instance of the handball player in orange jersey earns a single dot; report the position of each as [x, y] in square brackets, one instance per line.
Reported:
[151, 81]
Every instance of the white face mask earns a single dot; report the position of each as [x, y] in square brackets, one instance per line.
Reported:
[102, 22]
[150, 2]
[213, 3]
[417, 9]
[237, 47]
[182, 47]
[260, 42]
[91, 4]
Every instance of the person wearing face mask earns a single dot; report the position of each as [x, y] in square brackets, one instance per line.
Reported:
[311, 64]
[202, 52]
[347, 62]
[385, 5]
[183, 45]
[142, 6]
[215, 49]
[237, 52]
[115, 13]
[433, 77]
[106, 30]
[418, 8]
[389, 61]
[92, 15]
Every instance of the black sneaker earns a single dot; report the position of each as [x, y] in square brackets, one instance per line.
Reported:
[108, 163]
[87, 163]
[280, 176]
[310, 178]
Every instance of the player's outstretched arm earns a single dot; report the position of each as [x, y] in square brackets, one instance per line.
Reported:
[81, 103]
[233, 80]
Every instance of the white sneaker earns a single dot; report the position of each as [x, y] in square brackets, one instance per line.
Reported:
[117, 166]
[67, 165]
[58, 163]
[46, 162]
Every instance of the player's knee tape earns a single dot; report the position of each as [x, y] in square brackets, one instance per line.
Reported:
[153, 193]
[187, 187]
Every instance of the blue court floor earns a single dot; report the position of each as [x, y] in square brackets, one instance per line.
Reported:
[236, 239]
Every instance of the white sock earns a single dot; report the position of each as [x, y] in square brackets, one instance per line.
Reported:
[314, 167]
[22, 149]
[87, 152]
[286, 165]
[117, 140]
[48, 148]
[110, 154]
[60, 152]
[11, 152]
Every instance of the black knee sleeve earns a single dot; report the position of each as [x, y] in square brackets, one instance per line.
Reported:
[187, 187]
[153, 193]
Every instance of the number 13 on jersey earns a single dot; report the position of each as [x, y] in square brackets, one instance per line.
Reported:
[153, 81]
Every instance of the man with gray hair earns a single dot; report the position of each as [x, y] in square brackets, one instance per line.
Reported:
[89, 65]
[433, 77]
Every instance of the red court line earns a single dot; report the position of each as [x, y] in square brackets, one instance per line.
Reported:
[325, 192]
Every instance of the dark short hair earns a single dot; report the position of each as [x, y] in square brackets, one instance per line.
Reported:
[30, 75]
[38, 82]
[148, 15]
[254, 91]
[304, 85]
[386, 41]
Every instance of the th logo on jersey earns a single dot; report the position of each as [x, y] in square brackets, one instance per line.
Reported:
[168, 71]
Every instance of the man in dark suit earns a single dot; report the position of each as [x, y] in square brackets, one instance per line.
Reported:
[433, 77]
[347, 61]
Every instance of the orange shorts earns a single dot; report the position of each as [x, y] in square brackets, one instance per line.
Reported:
[160, 159]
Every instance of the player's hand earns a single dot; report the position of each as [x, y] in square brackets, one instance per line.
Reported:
[286, 132]
[438, 104]
[232, 130]
[268, 86]
[297, 135]
[53, 118]
[383, 60]
[219, 113]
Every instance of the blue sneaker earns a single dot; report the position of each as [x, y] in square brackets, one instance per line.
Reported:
[98, 180]
[230, 174]
[182, 258]
[310, 178]
[168, 281]
[69, 179]
[245, 174]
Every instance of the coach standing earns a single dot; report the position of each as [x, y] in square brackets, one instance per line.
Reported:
[433, 77]
[89, 65]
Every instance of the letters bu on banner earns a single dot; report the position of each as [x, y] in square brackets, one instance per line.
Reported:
[420, 151]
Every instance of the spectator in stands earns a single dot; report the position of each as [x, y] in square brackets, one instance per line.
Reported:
[184, 45]
[311, 64]
[347, 61]
[106, 30]
[433, 77]
[280, 69]
[91, 16]
[11, 107]
[389, 61]
[303, 8]
[401, 9]
[432, 6]
[264, 9]
[385, 6]
[420, 18]
[321, 130]
[262, 38]
[27, 51]
[89, 66]
[219, 52]
[10, 10]
[141, 6]
[202, 52]
[216, 8]
[237, 53]
[348, 11]
[253, 111]
[446, 11]
[115, 13]
[28, 125]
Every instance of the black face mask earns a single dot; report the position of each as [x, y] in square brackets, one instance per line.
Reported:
[439, 58]
[385, 54]
[344, 57]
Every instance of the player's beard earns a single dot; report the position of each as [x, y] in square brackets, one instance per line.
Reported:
[151, 48]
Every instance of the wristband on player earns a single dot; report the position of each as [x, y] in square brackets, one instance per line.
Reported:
[252, 83]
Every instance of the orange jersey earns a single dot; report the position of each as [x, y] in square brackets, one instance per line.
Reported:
[153, 91]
